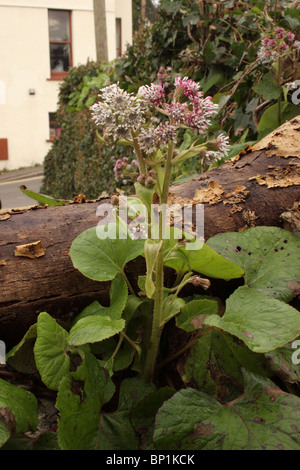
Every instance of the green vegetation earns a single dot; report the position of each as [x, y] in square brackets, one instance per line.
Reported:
[200, 351]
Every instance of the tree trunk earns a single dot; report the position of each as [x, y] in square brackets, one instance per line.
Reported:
[100, 30]
[143, 11]
[252, 189]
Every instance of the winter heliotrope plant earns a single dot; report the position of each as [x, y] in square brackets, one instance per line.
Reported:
[149, 122]
[109, 366]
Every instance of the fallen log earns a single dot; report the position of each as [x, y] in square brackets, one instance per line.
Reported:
[254, 188]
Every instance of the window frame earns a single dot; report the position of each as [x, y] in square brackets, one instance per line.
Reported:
[61, 75]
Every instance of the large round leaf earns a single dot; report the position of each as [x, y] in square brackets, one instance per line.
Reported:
[263, 418]
[102, 259]
[270, 257]
[261, 322]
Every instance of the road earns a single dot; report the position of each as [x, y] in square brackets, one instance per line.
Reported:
[12, 197]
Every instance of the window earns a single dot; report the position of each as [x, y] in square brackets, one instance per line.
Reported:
[54, 128]
[118, 37]
[3, 149]
[60, 42]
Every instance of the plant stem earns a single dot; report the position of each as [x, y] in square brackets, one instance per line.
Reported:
[127, 282]
[156, 322]
[279, 99]
[138, 153]
[157, 326]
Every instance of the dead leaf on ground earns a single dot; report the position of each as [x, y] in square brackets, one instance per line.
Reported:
[4, 216]
[2, 262]
[30, 250]
[79, 199]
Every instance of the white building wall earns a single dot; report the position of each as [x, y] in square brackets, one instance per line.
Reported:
[25, 65]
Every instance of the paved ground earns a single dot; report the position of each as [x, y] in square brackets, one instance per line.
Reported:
[11, 196]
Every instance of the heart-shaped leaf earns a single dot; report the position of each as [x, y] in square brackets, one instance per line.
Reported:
[21, 356]
[263, 418]
[214, 364]
[269, 256]
[102, 259]
[82, 424]
[96, 323]
[18, 411]
[261, 322]
[51, 351]
[268, 88]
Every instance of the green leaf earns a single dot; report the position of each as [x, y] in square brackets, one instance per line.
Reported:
[50, 201]
[151, 252]
[261, 322]
[263, 418]
[82, 424]
[102, 259]
[133, 304]
[280, 362]
[80, 399]
[145, 194]
[171, 307]
[205, 261]
[21, 356]
[144, 412]
[18, 411]
[214, 364]
[118, 295]
[193, 314]
[94, 328]
[268, 88]
[214, 77]
[51, 351]
[97, 323]
[237, 148]
[269, 119]
[269, 256]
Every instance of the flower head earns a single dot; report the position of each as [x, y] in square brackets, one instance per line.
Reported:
[271, 48]
[280, 33]
[154, 94]
[165, 133]
[189, 88]
[147, 140]
[118, 112]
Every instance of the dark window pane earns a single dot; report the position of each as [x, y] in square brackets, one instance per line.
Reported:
[60, 57]
[53, 126]
[59, 29]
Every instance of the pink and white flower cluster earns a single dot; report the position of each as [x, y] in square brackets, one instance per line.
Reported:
[130, 118]
[188, 107]
[273, 47]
